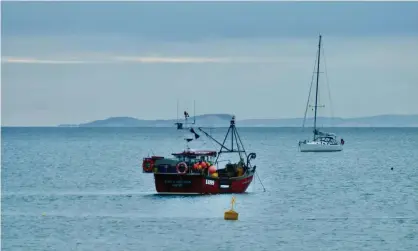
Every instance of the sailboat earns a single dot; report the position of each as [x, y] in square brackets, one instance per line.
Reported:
[322, 141]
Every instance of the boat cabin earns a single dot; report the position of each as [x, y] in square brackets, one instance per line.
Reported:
[325, 137]
[329, 140]
[195, 155]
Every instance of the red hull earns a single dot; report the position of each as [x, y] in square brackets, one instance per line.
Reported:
[198, 184]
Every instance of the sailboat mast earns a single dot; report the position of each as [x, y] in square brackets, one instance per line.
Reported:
[317, 80]
[194, 111]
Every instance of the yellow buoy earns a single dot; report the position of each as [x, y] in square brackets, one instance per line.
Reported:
[231, 214]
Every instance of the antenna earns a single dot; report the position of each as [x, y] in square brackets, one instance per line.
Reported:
[178, 124]
[186, 117]
[177, 110]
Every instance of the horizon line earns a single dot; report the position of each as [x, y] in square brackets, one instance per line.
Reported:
[207, 114]
[256, 126]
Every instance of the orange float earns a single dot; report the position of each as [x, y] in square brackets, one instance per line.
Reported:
[212, 169]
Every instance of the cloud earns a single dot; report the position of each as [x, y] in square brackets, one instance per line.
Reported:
[16, 60]
[147, 60]
[120, 59]
[200, 21]
[173, 60]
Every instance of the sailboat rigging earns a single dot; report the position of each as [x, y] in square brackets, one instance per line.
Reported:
[322, 141]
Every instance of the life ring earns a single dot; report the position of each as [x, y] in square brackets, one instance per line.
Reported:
[147, 165]
[180, 165]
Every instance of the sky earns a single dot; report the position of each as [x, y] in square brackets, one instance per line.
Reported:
[74, 62]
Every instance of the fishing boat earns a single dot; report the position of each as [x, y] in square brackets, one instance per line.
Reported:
[195, 171]
[321, 141]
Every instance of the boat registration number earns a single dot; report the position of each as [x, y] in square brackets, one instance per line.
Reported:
[210, 182]
[178, 183]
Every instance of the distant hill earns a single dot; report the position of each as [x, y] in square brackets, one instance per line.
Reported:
[373, 121]
[222, 120]
[212, 120]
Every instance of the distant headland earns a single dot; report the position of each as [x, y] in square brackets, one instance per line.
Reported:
[222, 120]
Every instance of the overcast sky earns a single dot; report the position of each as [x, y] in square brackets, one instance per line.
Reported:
[77, 61]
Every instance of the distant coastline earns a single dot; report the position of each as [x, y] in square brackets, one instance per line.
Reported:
[222, 120]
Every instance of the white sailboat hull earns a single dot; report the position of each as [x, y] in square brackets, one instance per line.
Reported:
[319, 147]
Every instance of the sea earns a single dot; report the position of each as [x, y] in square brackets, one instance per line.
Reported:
[83, 189]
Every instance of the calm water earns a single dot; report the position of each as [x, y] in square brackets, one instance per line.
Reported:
[83, 189]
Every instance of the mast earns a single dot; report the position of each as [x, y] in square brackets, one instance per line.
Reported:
[194, 112]
[194, 115]
[186, 117]
[239, 146]
[178, 124]
[235, 138]
[317, 81]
